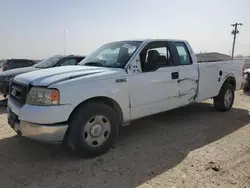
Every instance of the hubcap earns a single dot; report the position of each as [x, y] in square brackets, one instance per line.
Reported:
[96, 131]
[228, 98]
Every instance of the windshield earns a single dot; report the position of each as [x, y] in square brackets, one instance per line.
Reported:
[115, 54]
[50, 62]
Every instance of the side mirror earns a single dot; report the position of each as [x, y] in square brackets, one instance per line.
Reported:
[134, 66]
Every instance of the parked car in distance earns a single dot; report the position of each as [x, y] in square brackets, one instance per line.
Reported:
[17, 63]
[117, 83]
[247, 75]
[54, 61]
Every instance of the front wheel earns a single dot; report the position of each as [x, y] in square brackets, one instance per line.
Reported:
[93, 129]
[224, 101]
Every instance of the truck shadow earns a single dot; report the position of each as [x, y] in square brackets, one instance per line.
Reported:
[3, 105]
[144, 150]
[247, 93]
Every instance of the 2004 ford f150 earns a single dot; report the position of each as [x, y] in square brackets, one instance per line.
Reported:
[119, 82]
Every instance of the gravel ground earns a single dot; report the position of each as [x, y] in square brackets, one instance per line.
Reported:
[194, 146]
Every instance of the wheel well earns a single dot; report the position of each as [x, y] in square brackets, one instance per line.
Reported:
[231, 80]
[106, 100]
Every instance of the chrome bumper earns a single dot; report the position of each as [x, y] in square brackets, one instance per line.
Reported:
[45, 133]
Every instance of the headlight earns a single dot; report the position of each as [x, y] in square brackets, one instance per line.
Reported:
[43, 96]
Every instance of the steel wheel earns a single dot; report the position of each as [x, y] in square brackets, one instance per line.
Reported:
[96, 131]
[228, 97]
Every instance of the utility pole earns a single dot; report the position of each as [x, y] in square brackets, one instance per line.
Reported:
[235, 32]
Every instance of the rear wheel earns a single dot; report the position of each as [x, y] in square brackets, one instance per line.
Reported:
[93, 129]
[224, 101]
[246, 86]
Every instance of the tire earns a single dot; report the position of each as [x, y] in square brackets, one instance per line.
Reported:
[245, 88]
[224, 101]
[87, 123]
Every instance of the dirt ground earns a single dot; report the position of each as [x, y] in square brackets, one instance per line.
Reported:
[194, 146]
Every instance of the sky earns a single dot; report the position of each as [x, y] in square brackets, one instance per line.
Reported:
[39, 29]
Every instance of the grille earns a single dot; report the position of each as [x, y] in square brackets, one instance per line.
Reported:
[2, 78]
[18, 92]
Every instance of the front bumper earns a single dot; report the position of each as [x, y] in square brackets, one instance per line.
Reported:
[43, 123]
[44, 133]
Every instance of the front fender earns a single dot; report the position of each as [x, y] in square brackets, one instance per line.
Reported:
[76, 93]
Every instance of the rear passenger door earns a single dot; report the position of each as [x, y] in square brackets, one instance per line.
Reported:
[188, 74]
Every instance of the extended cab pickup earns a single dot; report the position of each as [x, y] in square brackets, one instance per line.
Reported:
[119, 82]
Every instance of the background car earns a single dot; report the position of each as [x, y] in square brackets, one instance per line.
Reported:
[54, 61]
[247, 75]
[17, 63]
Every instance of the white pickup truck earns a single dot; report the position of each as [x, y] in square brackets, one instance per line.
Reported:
[119, 82]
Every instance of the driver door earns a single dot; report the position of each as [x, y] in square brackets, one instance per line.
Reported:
[155, 89]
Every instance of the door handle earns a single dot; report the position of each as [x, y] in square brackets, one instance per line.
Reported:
[175, 75]
[119, 80]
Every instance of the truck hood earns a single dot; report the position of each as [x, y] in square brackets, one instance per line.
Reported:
[46, 77]
[14, 72]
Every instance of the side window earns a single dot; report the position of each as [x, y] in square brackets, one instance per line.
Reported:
[79, 60]
[69, 62]
[31, 63]
[12, 62]
[154, 56]
[26, 63]
[22, 63]
[183, 53]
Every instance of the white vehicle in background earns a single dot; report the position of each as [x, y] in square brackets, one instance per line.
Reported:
[247, 74]
[119, 82]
